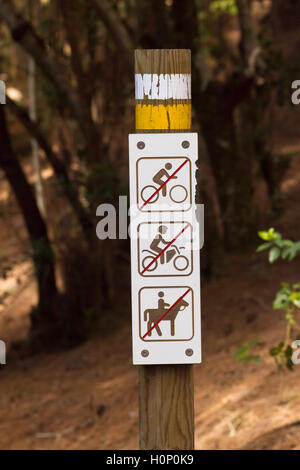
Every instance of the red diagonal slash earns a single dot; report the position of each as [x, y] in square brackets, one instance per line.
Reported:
[165, 314]
[166, 247]
[170, 177]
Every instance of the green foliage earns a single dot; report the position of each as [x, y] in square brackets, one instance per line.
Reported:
[286, 249]
[287, 298]
[208, 19]
[242, 354]
[224, 6]
[282, 354]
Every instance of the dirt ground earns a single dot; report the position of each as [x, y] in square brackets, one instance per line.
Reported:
[87, 398]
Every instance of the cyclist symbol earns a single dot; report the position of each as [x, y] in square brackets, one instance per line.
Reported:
[177, 193]
[180, 262]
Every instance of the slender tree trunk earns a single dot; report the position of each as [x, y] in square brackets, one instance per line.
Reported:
[25, 35]
[60, 170]
[153, 27]
[119, 32]
[33, 116]
[43, 256]
[217, 108]
[231, 163]
[34, 144]
[248, 37]
[85, 80]
[255, 109]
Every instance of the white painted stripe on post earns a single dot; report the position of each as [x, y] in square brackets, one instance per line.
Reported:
[163, 87]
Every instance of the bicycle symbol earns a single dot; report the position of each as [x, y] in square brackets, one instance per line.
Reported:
[177, 193]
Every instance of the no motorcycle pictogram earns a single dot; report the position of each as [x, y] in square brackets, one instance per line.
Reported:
[165, 249]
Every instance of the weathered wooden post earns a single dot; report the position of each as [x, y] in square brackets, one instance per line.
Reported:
[166, 395]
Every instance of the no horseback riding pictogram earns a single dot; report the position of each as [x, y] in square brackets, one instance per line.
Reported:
[166, 313]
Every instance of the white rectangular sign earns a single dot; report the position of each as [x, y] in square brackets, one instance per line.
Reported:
[165, 249]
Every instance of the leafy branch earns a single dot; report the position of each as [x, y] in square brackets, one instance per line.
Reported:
[243, 353]
[277, 246]
[286, 299]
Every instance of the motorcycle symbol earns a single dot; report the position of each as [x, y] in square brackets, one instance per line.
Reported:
[180, 262]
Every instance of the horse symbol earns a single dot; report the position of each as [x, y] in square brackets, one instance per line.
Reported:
[152, 316]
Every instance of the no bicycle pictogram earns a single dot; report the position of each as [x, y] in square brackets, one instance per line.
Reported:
[164, 184]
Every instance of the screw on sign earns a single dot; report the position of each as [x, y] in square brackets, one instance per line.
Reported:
[140, 145]
[165, 244]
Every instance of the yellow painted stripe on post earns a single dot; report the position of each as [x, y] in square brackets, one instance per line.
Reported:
[163, 117]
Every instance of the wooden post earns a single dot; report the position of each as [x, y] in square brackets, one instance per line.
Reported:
[166, 392]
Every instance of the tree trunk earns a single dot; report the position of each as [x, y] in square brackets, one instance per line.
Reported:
[231, 163]
[39, 192]
[152, 28]
[43, 256]
[248, 37]
[216, 105]
[60, 170]
[118, 31]
[85, 79]
[34, 145]
[25, 35]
